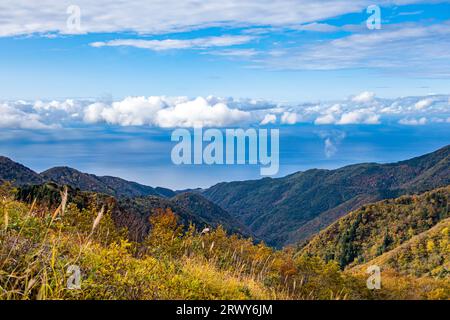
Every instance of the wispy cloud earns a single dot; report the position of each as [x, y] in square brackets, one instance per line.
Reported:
[241, 53]
[331, 140]
[22, 17]
[413, 121]
[317, 27]
[171, 44]
[410, 13]
[411, 48]
[419, 48]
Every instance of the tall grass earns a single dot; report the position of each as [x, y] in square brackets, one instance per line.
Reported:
[38, 245]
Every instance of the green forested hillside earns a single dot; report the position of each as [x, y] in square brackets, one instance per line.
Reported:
[427, 254]
[279, 211]
[134, 213]
[20, 175]
[293, 208]
[17, 173]
[377, 228]
[113, 186]
[202, 208]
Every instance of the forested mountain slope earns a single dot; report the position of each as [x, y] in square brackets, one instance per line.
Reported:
[290, 209]
[401, 224]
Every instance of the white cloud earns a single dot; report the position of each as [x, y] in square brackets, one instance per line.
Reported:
[171, 44]
[326, 119]
[132, 111]
[67, 105]
[410, 48]
[351, 112]
[235, 53]
[165, 112]
[93, 112]
[335, 108]
[22, 17]
[364, 97]
[330, 148]
[417, 48]
[199, 113]
[269, 118]
[331, 141]
[161, 111]
[11, 117]
[410, 13]
[318, 27]
[289, 118]
[413, 122]
[359, 117]
[423, 103]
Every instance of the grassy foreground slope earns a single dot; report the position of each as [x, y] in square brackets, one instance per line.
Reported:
[39, 247]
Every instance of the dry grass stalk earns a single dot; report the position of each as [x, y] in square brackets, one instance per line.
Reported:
[98, 219]
[30, 213]
[55, 213]
[64, 196]
[5, 218]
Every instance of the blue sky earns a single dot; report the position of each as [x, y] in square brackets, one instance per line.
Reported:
[104, 95]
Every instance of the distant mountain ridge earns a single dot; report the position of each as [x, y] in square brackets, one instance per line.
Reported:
[117, 187]
[21, 175]
[293, 208]
[132, 203]
[108, 185]
[279, 211]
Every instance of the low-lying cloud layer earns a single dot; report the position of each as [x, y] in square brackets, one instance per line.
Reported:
[170, 112]
[165, 112]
